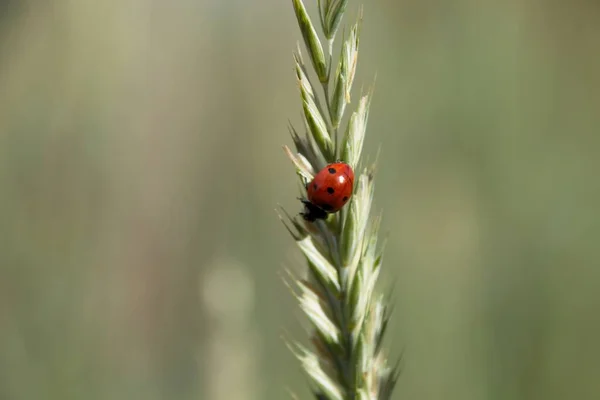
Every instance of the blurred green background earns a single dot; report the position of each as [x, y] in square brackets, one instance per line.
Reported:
[141, 162]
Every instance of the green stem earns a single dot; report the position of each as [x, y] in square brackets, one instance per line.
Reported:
[333, 131]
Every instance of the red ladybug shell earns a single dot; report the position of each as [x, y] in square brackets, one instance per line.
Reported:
[332, 187]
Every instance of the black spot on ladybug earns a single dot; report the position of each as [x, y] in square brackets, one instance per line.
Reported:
[315, 186]
[326, 207]
[332, 170]
[345, 198]
[330, 190]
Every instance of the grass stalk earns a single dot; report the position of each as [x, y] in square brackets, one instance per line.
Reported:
[338, 294]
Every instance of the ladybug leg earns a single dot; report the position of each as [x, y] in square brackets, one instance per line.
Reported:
[308, 215]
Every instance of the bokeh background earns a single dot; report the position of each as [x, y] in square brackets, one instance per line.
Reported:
[141, 163]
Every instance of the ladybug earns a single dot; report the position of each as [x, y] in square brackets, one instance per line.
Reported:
[329, 191]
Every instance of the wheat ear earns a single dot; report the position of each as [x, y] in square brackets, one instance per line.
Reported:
[338, 295]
